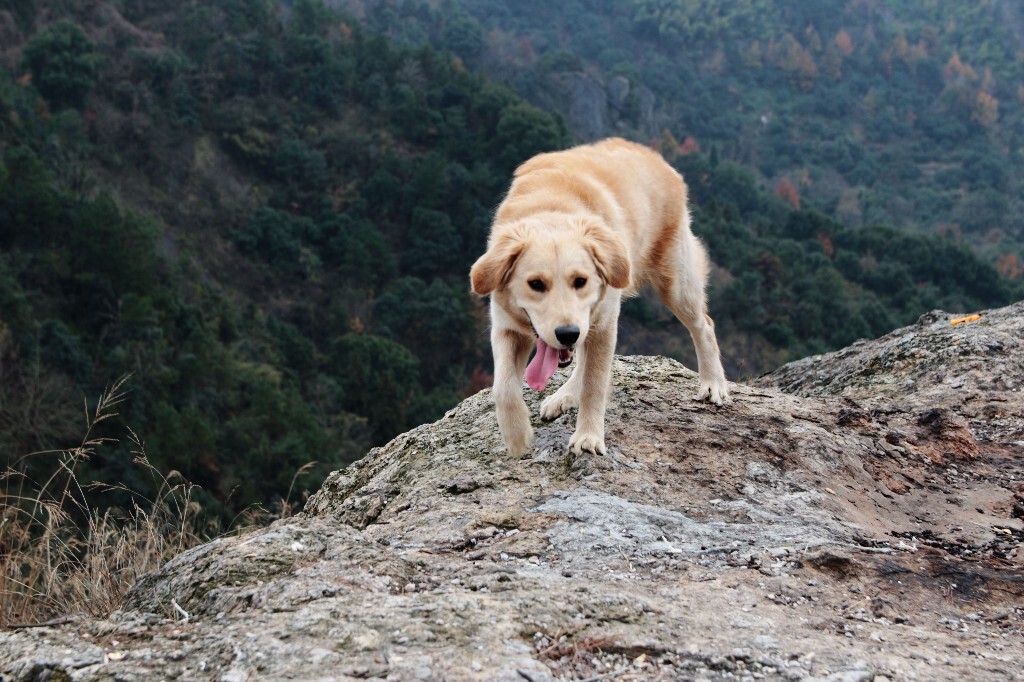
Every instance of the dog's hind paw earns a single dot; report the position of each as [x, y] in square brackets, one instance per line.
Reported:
[713, 391]
[587, 442]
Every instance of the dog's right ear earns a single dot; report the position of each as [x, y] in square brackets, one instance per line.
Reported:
[492, 269]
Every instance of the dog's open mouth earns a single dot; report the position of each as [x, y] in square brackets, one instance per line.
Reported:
[545, 363]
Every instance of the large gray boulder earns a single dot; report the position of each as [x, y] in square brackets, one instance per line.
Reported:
[852, 516]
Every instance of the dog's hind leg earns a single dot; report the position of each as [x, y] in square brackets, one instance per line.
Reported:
[682, 290]
[711, 376]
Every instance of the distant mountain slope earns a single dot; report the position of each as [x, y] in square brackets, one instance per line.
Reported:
[266, 213]
[876, 111]
[265, 216]
[840, 107]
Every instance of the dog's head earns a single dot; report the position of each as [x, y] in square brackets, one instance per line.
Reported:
[556, 273]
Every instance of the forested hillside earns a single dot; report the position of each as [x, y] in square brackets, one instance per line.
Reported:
[900, 112]
[265, 213]
[265, 216]
[871, 112]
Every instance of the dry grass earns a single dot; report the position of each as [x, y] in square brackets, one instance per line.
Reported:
[60, 558]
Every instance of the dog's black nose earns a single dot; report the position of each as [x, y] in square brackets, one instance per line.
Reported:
[567, 335]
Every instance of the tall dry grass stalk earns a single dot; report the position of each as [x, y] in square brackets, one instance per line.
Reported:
[59, 558]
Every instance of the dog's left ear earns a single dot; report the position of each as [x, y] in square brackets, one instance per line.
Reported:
[493, 268]
[609, 254]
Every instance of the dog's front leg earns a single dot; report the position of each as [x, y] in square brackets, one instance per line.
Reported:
[567, 396]
[596, 374]
[511, 351]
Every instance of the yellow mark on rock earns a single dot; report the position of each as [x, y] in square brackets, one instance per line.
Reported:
[961, 320]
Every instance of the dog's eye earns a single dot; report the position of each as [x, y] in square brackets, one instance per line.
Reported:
[579, 282]
[537, 285]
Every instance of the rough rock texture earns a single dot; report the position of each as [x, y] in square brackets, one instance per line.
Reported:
[863, 525]
[594, 108]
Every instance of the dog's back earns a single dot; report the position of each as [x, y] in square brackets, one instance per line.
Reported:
[629, 186]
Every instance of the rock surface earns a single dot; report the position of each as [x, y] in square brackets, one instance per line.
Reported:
[595, 108]
[853, 516]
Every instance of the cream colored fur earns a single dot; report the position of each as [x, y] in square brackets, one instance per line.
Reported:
[612, 214]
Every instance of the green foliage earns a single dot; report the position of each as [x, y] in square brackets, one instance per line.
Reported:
[106, 303]
[378, 378]
[279, 238]
[268, 217]
[295, 289]
[63, 62]
[865, 102]
[28, 203]
[685, 22]
[811, 285]
[431, 318]
[462, 34]
[357, 251]
[524, 131]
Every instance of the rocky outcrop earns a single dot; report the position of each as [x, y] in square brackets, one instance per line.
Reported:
[854, 516]
[594, 108]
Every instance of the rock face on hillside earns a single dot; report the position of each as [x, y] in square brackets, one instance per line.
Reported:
[853, 516]
[595, 108]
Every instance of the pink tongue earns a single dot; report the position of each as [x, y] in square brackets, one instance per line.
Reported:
[543, 366]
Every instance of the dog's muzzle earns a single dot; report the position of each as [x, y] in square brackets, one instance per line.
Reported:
[567, 335]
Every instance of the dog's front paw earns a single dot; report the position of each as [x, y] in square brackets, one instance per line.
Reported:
[556, 405]
[716, 392]
[514, 424]
[519, 443]
[587, 442]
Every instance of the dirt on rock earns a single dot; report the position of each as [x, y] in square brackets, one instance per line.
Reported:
[852, 516]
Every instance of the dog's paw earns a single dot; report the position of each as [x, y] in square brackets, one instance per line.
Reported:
[716, 392]
[587, 442]
[520, 443]
[556, 405]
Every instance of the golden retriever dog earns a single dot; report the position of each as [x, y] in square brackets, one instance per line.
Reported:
[578, 230]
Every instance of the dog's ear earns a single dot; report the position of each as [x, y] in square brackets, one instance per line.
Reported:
[610, 255]
[493, 268]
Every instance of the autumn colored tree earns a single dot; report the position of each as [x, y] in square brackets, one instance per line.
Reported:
[753, 56]
[900, 46]
[787, 191]
[1009, 266]
[838, 49]
[798, 63]
[986, 110]
[667, 145]
[478, 381]
[843, 42]
[958, 71]
[689, 146]
[827, 247]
